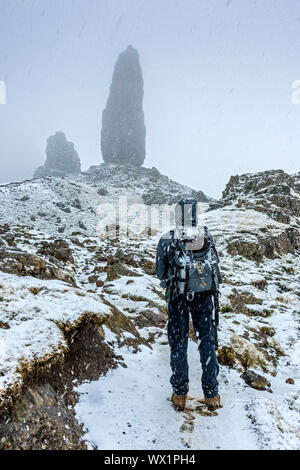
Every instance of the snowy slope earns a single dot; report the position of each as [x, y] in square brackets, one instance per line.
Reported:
[129, 407]
[133, 404]
[65, 205]
[34, 309]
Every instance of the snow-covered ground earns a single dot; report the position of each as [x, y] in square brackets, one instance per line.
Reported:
[34, 309]
[129, 407]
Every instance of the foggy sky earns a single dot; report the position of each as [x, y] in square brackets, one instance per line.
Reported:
[217, 76]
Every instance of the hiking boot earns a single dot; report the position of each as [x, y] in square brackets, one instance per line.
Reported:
[213, 403]
[179, 401]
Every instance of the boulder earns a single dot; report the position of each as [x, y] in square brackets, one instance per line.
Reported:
[290, 381]
[255, 380]
[149, 318]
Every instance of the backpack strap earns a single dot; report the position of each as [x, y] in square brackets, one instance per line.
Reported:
[214, 250]
[178, 250]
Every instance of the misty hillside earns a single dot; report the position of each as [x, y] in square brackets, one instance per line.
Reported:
[69, 204]
[83, 320]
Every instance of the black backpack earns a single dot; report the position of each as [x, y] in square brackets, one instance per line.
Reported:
[195, 271]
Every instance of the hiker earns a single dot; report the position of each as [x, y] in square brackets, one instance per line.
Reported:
[187, 266]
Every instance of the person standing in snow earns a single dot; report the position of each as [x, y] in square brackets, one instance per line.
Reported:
[187, 266]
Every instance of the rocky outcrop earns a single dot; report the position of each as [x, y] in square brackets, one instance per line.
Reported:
[25, 264]
[273, 192]
[42, 420]
[256, 246]
[123, 128]
[62, 206]
[254, 182]
[62, 158]
[153, 187]
[59, 249]
[42, 415]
